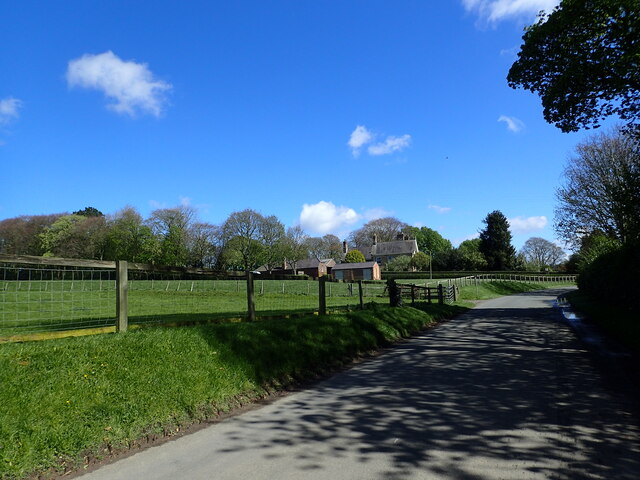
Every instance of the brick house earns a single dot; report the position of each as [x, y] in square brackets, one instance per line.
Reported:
[357, 271]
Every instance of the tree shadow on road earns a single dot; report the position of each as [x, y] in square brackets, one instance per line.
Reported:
[496, 393]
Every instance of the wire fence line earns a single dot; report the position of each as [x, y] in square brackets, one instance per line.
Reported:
[48, 295]
[51, 295]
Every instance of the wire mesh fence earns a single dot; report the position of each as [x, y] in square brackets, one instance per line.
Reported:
[34, 298]
[49, 298]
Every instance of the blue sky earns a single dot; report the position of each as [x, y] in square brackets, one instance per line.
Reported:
[326, 114]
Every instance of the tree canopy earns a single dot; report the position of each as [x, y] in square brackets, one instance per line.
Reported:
[354, 256]
[495, 242]
[429, 240]
[601, 191]
[541, 253]
[582, 59]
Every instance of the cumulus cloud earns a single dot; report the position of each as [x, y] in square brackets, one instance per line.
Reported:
[130, 86]
[493, 11]
[359, 137]
[9, 108]
[324, 217]
[513, 124]
[527, 224]
[439, 209]
[390, 145]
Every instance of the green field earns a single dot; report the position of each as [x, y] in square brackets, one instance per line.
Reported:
[39, 306]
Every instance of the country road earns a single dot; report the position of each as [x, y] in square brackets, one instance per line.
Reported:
[505, 391]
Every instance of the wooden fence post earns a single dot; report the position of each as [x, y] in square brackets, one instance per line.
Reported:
[440, 294]
[122, 289]
[413, 295]
[251, 305]
[361, 295]
[322, 295]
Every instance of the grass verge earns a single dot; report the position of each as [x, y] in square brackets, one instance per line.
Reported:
[63, 400]
[619, 323]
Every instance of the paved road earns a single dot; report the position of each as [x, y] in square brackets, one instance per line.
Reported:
[503, 392]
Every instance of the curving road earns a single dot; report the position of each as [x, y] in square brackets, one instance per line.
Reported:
[502, 392]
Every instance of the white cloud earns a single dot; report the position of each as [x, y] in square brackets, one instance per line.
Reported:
[324, 217]
[527, 224]
[513, 124]
[130, 85]
[493, 11]
[376, 213]
[359, 137]
[439, 209]
[390, 145]
[9, 108]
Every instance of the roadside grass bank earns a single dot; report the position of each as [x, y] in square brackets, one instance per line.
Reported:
[619, 323]
[67, 400]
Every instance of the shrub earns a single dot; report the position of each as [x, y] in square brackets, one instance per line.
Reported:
[610, 278]
[354, 256]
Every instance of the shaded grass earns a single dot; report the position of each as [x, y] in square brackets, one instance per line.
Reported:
[488, 290]
[63, 399]
[621, 324]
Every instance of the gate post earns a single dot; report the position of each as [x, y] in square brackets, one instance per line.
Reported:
[322, 295]
[251, 305]
[122, 289]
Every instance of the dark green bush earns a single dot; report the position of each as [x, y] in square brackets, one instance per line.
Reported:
[612, 277]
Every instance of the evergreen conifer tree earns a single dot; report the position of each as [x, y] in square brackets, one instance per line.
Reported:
[495, 242]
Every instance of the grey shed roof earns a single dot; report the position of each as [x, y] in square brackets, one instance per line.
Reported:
[351, 266]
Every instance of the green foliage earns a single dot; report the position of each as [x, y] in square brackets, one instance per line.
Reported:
[582, 59]
[130, 239]
[621, 323]
[400, 264]
[612, 277]
[591, 247]
[470, 256]
[429, 240]
[495, 242]
[354, 256]
[601, 190]
[89, 212]
[74, 236]
[420, 261]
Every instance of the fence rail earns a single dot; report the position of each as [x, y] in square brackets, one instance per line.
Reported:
[53, 294]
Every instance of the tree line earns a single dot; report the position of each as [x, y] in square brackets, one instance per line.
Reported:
[248, 239]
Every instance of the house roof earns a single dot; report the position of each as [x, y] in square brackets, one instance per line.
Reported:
[397, 247]
[306, 263]
[353, 266]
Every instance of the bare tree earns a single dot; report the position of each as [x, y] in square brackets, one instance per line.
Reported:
[601, 190]
[542, 253]
[385, 230]
[295, 246]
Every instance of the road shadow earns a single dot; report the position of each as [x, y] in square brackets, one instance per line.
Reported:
[496, 393]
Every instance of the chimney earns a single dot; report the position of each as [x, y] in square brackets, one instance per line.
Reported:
[400, 236]
[375, 238]
[345, 247]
